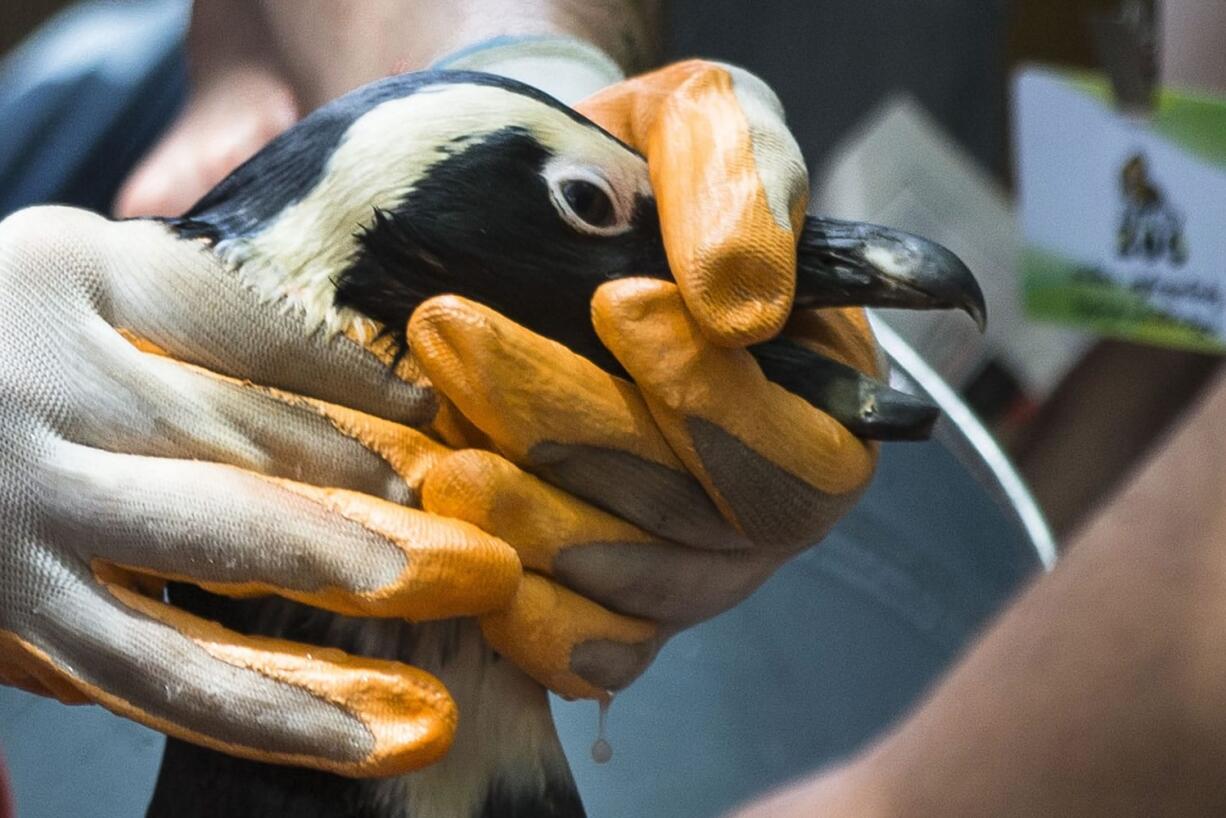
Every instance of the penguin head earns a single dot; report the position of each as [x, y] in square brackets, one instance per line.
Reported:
[429, 183]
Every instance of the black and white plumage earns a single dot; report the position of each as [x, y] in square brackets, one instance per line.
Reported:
[449, 182]
[473, 184]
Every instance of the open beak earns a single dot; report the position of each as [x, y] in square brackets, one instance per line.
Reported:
[852, 264]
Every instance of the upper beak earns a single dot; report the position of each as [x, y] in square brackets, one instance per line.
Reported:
[844, 264]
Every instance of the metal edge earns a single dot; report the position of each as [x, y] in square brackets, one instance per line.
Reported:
[968, 439]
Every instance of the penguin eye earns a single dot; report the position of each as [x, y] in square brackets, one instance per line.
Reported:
[588, 202]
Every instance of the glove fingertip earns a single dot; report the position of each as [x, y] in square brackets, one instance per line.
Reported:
[546, 627]
[732, 187]
[403, 717]
[743, 294]
[630, 299]
[431, 321]
[35, 672]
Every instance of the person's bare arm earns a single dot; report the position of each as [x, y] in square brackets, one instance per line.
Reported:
[331, 47]
[1101, 691]
[256, 66]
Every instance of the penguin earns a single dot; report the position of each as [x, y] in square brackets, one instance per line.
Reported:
[473, 184]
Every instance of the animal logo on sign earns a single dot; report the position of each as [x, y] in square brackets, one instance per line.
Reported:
[1150, 227]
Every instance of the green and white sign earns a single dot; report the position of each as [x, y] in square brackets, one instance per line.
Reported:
[1123, 219]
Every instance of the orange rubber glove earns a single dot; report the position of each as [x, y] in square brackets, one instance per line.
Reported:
[698, 480]
[730, 184]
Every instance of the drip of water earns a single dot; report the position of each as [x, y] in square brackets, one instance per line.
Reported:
[602, 750]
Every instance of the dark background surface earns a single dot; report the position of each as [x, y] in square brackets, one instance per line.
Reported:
[18, 17]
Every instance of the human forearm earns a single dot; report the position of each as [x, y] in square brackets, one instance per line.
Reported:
[1099, 691]
[330, 47]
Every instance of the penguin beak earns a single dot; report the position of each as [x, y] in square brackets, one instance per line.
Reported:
[845, 264]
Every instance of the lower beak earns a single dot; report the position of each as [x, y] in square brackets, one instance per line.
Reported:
[852, 264]
[867, 408]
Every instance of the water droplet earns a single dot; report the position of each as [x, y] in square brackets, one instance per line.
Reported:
[602, 750]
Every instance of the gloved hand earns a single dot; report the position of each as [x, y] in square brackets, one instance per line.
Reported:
[698, 479]
[120, 465]
[94, 408]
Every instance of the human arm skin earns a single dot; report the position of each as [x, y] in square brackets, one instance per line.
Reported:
[256, 67]
[1099, 692]
[331, 47]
